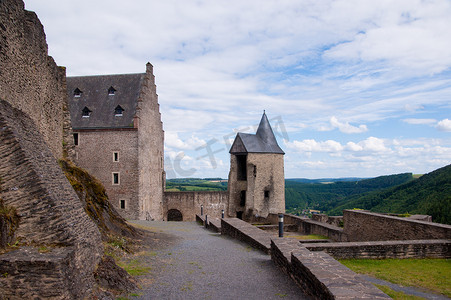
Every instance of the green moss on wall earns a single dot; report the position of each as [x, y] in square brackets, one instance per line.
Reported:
[95, 200]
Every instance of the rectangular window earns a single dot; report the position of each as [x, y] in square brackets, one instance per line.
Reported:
[115, 156]
[76, 139]
[122, 203]
[266, 194]
[115, 178]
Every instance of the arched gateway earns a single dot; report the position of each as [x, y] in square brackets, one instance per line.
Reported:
[174, 215]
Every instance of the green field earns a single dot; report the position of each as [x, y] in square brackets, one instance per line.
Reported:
[196, 184]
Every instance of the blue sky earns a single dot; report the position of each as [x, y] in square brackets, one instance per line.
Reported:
[353, 88]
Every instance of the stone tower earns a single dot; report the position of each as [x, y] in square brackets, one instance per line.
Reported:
[256, 178]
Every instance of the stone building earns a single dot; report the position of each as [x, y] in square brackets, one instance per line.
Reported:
[118, 137]
[256, 179]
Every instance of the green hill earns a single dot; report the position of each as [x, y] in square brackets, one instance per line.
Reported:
[430, 194]
[326, 195]
[196, 184]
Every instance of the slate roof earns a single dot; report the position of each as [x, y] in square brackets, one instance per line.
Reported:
[95, 96]
[263, 141]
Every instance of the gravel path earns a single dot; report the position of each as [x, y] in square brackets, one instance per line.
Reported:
[205, 265]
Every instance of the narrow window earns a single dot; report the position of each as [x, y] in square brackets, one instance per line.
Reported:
[241, 167]
[111, 91]
[122, 203]
[76, 139]
[266, 194]
[243, 198]
[118, 111]
[115, 178]
[77, 93]
[115, 156]
[86, 112]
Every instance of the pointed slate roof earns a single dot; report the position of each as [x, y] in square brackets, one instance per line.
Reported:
[96, 93]
[263, 141]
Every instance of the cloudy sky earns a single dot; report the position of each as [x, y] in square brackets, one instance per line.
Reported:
[352, 88]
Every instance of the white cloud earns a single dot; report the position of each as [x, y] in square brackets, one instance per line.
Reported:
[219, 64]
[373, 144]
[310, 145]
[172, 140]
[420, 121]
[444, 125]
[346, 127]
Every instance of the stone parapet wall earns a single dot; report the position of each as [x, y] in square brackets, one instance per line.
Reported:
[386, 249]
[189, 203]
[213, 224]
[247, 233]
[319, 275]
[308, 226]
[366, 226]
[30, 79]
[332, 220]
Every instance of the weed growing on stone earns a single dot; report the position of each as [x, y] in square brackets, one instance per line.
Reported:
[44, 249]
[281, 295]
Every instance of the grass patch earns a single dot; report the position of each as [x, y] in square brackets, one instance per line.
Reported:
[431, 274]
[308, 237]
[396, 295]
[134, 267]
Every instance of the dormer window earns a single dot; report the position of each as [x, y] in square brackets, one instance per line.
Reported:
[118, 111]
[77, 92]
[111, 91]
[86, 112]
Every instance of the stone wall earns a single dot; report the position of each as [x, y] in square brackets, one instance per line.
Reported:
[386, 249]
[189, 203]
[30, 274]
[29, 79]
[247, 233]
[50, 213]
[366, 226]
[150, 150]
[308, 226]
[332, 220]
[94, 153]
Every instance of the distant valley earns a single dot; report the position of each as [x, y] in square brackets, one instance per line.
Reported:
[400, 193]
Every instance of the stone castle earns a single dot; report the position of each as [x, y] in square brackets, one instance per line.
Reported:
[111, 126]
[118, 137]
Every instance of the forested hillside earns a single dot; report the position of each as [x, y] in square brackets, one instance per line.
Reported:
[326, 196]
[430, 194]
